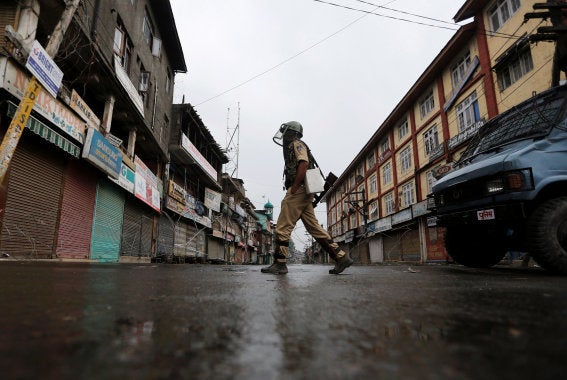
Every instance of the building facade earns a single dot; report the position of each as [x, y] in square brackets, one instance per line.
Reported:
[377, 209]
[87, 177]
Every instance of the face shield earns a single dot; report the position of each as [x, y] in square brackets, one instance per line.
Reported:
[278, 137]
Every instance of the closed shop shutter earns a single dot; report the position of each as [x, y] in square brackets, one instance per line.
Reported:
[180, 239]
[32, 200]
[359, 252]
[77, 210]
[107, 226]
[137, 229]
[376, 249]
[215, 250]
[195, 242]
[165, 236]
[402, 245]
[410, 245]
[392, 246]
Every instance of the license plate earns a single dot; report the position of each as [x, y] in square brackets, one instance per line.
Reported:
[485, 214]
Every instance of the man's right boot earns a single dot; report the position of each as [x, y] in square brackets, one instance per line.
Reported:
[276, 268]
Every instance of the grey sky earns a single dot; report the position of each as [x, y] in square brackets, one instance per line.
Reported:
[338, 71]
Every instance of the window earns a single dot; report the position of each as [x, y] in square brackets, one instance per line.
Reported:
[387, 173]
[384, 146]
[403, 130]
[144, 81]
[514, 68]
[458, 71]
[148, 32]
[351, 182]
[408, 197]
[122, 46]
[468, 112]
[373, 184]
[353, 221]
[373, 210]
[389, 204]
[431, 140]
[501, 11]
[427, 105]
[405, 158]
[371, 160]
[359, 172]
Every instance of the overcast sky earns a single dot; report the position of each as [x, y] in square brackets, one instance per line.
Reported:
[338, 71]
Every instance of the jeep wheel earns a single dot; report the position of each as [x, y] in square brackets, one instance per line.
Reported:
[475, 246]
[547, 235]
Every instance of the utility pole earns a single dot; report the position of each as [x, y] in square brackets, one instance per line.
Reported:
[360, 206]
[556, 11]
[232, 145]
[20, 119]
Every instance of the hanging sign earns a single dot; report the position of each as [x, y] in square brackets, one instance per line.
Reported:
[41, 65]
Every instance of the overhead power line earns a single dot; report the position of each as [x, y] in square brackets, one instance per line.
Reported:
[407, 13]
[282, 62]
[456, 26]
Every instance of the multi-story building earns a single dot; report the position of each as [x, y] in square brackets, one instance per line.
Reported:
[228, 242]
[377, 208]
[86, 180]
[193, 188]
[264, 235]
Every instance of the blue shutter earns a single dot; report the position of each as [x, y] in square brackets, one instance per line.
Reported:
[107, 226]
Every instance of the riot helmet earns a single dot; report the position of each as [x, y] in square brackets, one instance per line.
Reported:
[294, 126]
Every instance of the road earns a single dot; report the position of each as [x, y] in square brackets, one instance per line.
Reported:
[160, 321]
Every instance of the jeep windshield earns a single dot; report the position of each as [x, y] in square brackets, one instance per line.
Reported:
[532, 119]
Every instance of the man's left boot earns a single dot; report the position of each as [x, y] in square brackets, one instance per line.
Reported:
[276, 268]
[341, 263]
[279, 266]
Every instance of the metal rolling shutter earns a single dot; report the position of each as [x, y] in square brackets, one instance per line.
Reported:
[402, 245]
[376, 249]
[32, 201]
[107, 226]
[410, 245]
[77, 210]
[137, 229]
[392, 246]
[180, 239]
[192, 245]
[165, 236]
[215, 249]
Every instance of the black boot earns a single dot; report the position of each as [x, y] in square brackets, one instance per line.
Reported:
[276, 268]
[341, 264]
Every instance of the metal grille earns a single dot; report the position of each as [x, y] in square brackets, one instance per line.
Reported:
[529, 120]
[32, 203]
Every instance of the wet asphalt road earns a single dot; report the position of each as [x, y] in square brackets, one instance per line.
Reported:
[127, 321]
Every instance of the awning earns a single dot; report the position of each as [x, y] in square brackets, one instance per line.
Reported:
[47, 133]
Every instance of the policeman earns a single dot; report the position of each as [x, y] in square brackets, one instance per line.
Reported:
[297, 204]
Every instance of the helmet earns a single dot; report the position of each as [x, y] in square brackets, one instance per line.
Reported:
[292, 126]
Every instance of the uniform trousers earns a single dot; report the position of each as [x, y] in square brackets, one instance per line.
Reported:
[293, 208]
